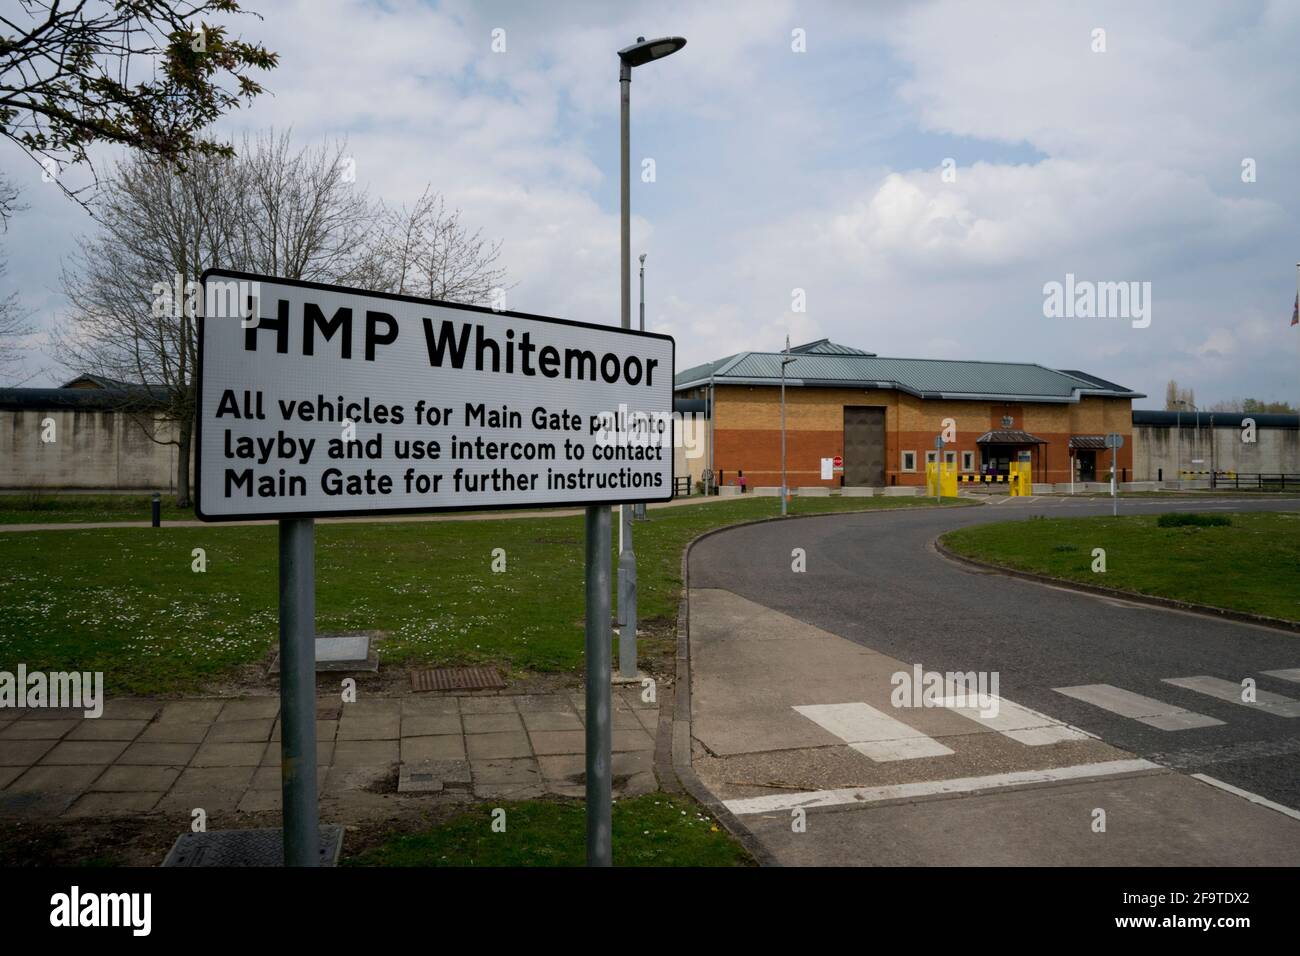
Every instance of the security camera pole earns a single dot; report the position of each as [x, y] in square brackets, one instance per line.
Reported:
[638, 54]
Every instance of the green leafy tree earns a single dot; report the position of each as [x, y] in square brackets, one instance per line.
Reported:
[148, 74]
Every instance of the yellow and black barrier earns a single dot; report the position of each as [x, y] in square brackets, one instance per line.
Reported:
[982, 479]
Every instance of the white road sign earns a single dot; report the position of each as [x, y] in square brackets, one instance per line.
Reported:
[321, 400]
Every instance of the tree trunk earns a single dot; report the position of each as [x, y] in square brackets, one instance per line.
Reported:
[183, 463]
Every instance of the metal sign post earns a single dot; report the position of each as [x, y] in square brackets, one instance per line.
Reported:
[938, 469]
[1114, 441]
[599, 735]
[298, 692]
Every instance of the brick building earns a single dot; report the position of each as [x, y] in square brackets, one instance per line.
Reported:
[882, 415]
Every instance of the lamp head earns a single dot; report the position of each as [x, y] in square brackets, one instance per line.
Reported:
[643, 50]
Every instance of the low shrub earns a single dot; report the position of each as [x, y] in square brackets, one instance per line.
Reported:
[1182, 519]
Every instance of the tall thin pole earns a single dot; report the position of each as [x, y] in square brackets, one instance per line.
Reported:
[639, 511]
[301, 815]
[626, 555]
[599, 734]
[783, 478]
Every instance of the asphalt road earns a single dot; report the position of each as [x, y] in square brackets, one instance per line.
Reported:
[874, 579]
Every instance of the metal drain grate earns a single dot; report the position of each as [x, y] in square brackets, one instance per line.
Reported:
[457, 678]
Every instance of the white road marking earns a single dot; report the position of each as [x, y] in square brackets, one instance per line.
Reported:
[873, 733]
[1021, 724]
[1289, 673]
[1228, 691]
[1247, 795]
[1146, 710]
[777, 802]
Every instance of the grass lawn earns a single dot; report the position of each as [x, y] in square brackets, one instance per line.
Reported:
[651, 830]
[126, 601]
[1252, 566]
[37, 508]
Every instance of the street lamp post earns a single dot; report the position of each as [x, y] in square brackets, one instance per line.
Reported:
[639, 511]
[638, 54]
[784, 489]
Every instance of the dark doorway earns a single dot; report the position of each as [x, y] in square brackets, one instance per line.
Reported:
[864, 446]
[1087, 460]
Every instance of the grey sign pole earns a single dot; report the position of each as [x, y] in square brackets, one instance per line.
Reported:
[938, 469]
[1114, 441]
[626, 595]
[300, 811]
[599, 735]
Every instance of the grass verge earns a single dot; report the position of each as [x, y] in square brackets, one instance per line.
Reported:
[650, 830]
[1251, 565]
[37, 508]
[126, 601]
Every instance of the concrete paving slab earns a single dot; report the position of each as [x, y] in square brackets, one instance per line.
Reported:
[250, 708]
[212, 802]
[228, 755]
[114, 804]
[107, 729]
[426, 749]
[215, 778]
[55, 779]
[632, 739]
[191, 711]
[521, 770]
[378, 727]
[492, 723]
[22, 753]
[127, 708]
[552, 720]
[428, 725]
[431, 704]
[137, 778]
[554, 742]
[175, 732]
[543, 704]
[497, 745]
[36, 728]
[365, 753]
[252, 730]
[9, 774]
[99, 752]
[488, 705]
[158, 754]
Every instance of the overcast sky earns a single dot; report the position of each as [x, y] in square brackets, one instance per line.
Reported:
[823, 170]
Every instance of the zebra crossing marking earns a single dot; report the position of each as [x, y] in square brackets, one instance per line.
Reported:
[1229, 691]
[873, 733]
[1021, 724]
[1287, 673]
[1145, 710]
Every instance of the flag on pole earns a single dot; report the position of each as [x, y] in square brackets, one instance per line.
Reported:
[1295, 312]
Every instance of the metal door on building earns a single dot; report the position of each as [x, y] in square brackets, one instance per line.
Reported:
[864, 446]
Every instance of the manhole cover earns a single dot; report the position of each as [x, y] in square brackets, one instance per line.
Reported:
[263, 847]
[457, 678]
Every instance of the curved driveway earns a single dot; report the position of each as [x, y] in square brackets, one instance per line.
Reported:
[875, 580]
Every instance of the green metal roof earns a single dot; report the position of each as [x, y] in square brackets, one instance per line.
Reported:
[927, 378]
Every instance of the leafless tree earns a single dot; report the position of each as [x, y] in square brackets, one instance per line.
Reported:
[13, 318]
[270, 210]
[429, 252]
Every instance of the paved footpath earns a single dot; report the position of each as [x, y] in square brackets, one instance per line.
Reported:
[1109, 711]
[153, 756]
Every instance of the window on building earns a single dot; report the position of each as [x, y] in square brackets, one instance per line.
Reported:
[950, 458]
[968, 461]
[909, 461]
[931, 457]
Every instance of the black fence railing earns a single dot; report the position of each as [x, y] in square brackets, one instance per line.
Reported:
[1254, 480]
[682, 486]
